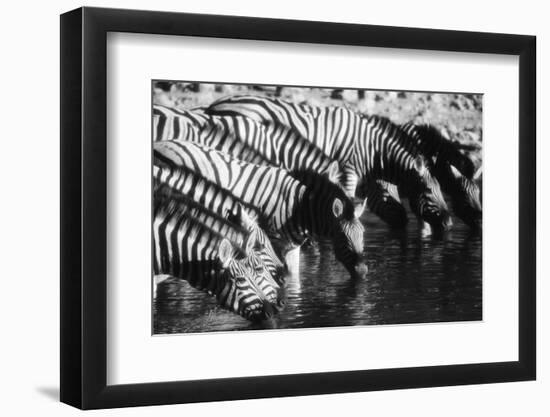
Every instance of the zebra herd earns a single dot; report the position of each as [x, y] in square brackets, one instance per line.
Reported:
[243, 183]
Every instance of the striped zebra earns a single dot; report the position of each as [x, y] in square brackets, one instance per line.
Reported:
[186, 248]
[464, 193]
[288, 207]
[208, 197]
[170, 123]
[365, 147]
[383, 200]
[431, 142]
[236, 229]
[245, 139]
[453, 170]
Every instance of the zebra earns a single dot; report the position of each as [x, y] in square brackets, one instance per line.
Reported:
[186, 248]
[170, 123]
[236, 230]
[464, 193]
[289, 208]
[454, 171]
[216, 200]
[246, 139]
[365, 147]
[383, 200]
[431, 142]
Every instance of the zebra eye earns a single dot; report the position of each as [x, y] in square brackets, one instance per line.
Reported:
[240, 280]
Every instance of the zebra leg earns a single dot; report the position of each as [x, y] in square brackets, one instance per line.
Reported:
[158, 279]
[292, 260]
[425, 228]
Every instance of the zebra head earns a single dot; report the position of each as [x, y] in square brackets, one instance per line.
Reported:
[426, 198]
[271, 290]
[239, 290]
[330, 213]
[263, 278]
[347, 234]
[262, 245]
[464, 193]
[383, 200]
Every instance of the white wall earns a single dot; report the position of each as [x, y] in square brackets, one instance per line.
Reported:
[29, 216]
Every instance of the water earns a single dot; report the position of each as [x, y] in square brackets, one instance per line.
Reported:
[411, 279]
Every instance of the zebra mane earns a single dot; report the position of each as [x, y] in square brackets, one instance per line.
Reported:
[433, 138]
[395, 131]
[318, 184]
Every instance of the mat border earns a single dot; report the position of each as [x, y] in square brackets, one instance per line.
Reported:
[84, 222]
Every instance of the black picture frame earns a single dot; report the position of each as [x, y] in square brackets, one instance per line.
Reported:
[83, 207]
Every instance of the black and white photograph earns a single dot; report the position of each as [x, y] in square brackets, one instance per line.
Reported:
[284, 207]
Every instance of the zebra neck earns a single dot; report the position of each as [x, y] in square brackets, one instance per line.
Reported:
[381, 154]
[201, 275]
[309, 218]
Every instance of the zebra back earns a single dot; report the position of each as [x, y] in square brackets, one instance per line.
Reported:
[365, 147]
[171, 124]
[247, 139]
[328, 128]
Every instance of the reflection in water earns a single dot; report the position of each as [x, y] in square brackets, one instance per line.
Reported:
[411, 279]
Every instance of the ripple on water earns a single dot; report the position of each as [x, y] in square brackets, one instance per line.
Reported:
[411, 279]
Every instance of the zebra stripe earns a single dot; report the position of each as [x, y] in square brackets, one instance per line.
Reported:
[248, 140]
[464, 193]
[431, 142]
[288, 207]
[219, 202]
[365, 147]
[170, 123]
[384, 201]
[454, 171]
[187, 249]
[235, 232]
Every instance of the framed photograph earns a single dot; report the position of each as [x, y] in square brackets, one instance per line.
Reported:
[260, 208]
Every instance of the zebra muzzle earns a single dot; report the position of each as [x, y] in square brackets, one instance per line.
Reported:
[361, 269]
[268, 310]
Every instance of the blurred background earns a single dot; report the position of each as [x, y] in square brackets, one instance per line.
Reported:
[457, 115]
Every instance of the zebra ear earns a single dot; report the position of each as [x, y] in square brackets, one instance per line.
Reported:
[359, 207]
[225, 253]
[337, 208]
[420, 164]
[245, 220]
[250, 242]
[454, 171]
[333, 172]
[477, 174]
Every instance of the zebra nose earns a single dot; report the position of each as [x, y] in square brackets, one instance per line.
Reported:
[268, 309]
[281, 272]
[361, 269]
[448, 222]
[281, 299]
